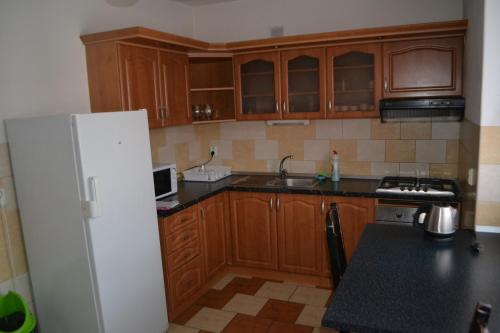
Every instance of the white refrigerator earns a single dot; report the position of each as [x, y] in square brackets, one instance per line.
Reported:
[85, 192]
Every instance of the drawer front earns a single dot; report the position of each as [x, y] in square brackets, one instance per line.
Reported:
[182, 237]
[182, 256]
[181, 219]
[185, 282]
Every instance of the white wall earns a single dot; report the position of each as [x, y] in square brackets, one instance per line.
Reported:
[490, 115]
[249, 19]
[42, 59]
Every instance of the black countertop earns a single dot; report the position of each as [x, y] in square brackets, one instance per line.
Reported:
[400, 281]
[190, 193]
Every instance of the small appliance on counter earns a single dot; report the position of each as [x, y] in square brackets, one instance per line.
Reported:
[207, 173]
[437, 220]
[165, 180]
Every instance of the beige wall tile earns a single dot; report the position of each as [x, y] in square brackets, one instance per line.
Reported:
[414, 169]
[347, 149]
[18, 251]
[225, 148]
[371, 150]
[316, 150]
[4, 160]
[243, 130]
[243, 150]
[443, 170]
[291, 132]
[385, 130]
[356, 128]
[195, 152]
[328, 129]
[384, 169]
[272, 165]
[182, 157]
[301, 166]
[207, 132]
[431, 151]
[420, 131]
[400, 151]
[266, 149]
[469, 135]
[488, 213]
[180, 134]
[446, 131]
[324, 167]
[164, 155]
[291, 146]
[355, 168]
[490, 145]
[489, 178]
[452, 151]
[247, 165]
[158, 137]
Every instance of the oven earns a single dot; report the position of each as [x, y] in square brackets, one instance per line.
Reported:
[396, 212]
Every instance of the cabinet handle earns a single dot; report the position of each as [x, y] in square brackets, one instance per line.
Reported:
[329, 105]
[277, 107]
[277, 203]
[202, 211]
[385, 84]
[284, 106]
[322, 206]
[271, 203]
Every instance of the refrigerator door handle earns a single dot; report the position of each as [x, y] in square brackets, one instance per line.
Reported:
[92, 207]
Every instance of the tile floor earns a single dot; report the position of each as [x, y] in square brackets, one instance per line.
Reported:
[244, 304]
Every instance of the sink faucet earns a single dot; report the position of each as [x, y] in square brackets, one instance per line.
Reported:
[282, 172]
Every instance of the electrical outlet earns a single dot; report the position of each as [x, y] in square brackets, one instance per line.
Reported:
[213, 149]
[3, 197]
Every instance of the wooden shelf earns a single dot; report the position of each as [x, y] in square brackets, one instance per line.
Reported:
[352, 67]
[257, 73]
[305, 70]
[357, 91]
[303, 93]
[211, 89]
[257, 95]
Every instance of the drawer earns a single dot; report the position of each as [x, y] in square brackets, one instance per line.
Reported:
[182, 237]
[184, 283]
[178, 258]
[181, 219]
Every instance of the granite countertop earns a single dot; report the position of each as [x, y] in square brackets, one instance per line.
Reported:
[400, 281]
[190, 193]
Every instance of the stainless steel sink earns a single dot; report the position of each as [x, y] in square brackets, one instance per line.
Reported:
[294, 182]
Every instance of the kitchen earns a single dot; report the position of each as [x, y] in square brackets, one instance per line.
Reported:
[367, 148]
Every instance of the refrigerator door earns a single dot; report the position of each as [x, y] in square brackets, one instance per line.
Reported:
[116, 180]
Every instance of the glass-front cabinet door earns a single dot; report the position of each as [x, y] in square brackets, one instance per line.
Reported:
[303, 83]
[353, 81]
[257, 86]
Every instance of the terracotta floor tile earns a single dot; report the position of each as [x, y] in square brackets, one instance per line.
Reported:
[186, 315]
[281, 311]
[244, 286]
[247, 324]
[215, 298]
[277, 327]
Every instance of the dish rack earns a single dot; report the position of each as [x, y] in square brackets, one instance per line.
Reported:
[207, 174]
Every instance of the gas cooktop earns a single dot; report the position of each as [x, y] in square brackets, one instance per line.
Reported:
[418, 186]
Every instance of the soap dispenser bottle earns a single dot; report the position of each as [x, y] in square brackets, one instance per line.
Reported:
[335, 167]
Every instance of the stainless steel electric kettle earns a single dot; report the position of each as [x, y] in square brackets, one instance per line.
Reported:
[438, 220]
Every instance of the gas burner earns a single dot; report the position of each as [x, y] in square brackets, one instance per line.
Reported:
[417, 186]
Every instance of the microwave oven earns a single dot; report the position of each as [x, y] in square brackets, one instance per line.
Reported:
[165, 180]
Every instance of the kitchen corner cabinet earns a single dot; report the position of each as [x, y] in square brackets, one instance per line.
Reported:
[420, 68]
[213, 218]
[354, 80]
[257, 84]
[299, 236]
[124, 77]
[253, 229]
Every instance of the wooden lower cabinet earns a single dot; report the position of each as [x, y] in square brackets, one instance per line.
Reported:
[213, 217]
[183, 284]
[253, 229]
[299, 243]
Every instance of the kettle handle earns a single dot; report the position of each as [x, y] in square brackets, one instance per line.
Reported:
[417, 220]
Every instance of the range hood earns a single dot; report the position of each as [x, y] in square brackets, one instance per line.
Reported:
[422, 109]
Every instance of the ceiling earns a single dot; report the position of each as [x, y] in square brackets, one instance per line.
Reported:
[201, 2]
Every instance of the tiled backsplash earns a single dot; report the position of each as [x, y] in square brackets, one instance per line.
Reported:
[366, 147]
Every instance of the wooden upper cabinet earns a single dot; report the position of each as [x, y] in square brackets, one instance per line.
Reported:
[213, 217]
[420, 68]
[140, 81]
[354, 80]
[253, 229]
[257, 85]
[299, 243]
[174, 88]
[303, 83]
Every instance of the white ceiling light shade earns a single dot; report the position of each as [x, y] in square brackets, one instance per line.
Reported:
[121, 3]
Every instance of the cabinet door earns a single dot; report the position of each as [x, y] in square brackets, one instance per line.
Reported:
[174, 89]
[213, 218]
[430, 67]
[140, 81]
[299, 249]
[253, 228]
[354, 215]
[303, 83]
[257, 86]
[354, 79]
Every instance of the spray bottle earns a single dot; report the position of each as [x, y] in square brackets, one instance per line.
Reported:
[335, 167]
